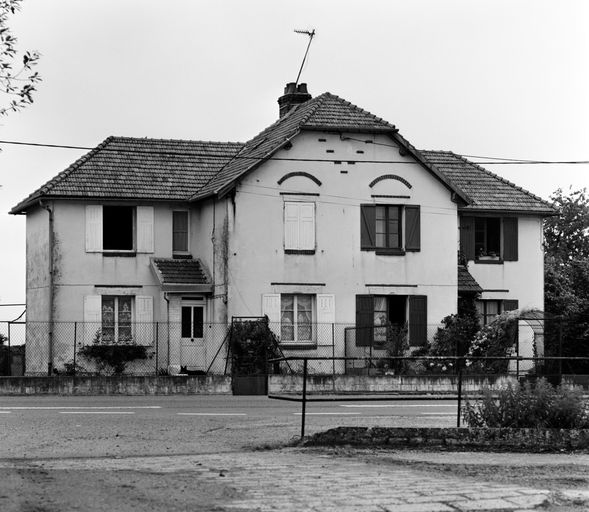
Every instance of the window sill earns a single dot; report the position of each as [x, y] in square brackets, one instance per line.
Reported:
[389, 252]
[119, 254]
[299, 251]
[182, 256]
[489, 262]
[289, 345]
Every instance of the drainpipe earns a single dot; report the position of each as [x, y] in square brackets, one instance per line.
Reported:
[168, 322]
[51, 285]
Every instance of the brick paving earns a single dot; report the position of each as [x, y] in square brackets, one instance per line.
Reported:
[291, 480]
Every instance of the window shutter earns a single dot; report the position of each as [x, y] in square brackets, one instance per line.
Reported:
[291, 225]
[325, 319]
[307, 226]
[93, 228]
[417, 320]
[510, 249]
[92, 317]
[412, 228]
[145, 229]
[144, 329]
[364, 320]
[467, 237]
[271, 308]
[367, 226]
[510, 305]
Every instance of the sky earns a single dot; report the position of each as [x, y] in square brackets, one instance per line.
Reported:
[493, 78]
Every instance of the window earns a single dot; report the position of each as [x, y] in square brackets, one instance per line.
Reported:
[488, 310]
[180, 231]
[296, 318]
[299, 227]
[489, 239]
[117, 314]
[374, 313]
[192, 321]
[117, 228]
[390, 229]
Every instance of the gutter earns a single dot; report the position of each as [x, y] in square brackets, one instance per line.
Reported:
[51, 286]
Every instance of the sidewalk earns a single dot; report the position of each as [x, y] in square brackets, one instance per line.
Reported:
[302, 480]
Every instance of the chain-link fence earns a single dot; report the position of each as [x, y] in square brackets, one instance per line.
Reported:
[159, 348]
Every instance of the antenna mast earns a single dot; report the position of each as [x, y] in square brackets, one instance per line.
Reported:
[311, 34]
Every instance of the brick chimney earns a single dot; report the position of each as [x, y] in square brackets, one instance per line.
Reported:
[293, 96]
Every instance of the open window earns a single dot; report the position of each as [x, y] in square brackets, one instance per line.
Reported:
[119, 229]
[390, 229]
[489, 239]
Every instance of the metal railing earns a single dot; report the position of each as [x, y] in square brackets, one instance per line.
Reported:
[462, 365]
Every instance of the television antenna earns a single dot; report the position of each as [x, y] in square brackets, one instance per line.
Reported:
[311, 34]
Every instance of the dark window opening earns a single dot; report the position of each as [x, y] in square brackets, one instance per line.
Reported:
[487, 237]
[180, 231]
[117, 228]
[192, 321]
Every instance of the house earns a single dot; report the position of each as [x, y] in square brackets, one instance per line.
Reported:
[328, 221]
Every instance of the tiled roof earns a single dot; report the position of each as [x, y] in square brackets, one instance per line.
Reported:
[326, 111]
[180, 271]
[137, 168]
[486, 190]
[467, 283]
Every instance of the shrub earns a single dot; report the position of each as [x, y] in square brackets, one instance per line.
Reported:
[456, 335]
[527, 406]
[252, 344]
[113, 358]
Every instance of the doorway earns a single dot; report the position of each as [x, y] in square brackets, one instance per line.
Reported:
[192, 343]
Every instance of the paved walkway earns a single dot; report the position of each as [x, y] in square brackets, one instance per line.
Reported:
[291, 480]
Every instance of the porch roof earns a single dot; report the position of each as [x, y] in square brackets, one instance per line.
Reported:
[467, 283]
[181, 275]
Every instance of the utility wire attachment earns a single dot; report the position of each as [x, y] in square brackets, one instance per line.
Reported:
[311, 34]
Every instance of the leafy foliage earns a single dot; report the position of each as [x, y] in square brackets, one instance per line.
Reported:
[454, 338]
[566, 275]
[17, 83]
[527, 406]
[252, 344]
[112, 358]
[493, 340]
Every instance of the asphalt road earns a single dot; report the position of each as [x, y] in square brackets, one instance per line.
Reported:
[131, 425]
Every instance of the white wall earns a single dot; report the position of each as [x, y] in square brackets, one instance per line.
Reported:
[257, 257]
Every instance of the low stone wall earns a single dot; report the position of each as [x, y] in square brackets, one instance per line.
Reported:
[489, 439]
[116, 385]
[340, 384]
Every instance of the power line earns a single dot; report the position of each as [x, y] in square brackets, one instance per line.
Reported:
[216, 154]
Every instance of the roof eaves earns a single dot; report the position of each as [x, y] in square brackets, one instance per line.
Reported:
[46, 188]
[549, 207]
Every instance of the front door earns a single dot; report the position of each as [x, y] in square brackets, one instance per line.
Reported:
[192, 346]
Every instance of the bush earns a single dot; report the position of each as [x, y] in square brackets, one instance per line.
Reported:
[456, 335]
[252, 344]
[527, 406]
[113, 357]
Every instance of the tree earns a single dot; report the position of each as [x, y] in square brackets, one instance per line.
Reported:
[17, 80]
[566, 274]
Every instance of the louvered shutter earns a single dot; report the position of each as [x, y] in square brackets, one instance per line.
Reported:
[364, 320]
[92, 317]
[144, 329]
[93, 228]
[467, 237]
[271, 308]
[291, 226]
[145, 229]
[510, 239]
[307, 226]
[367, 226]
[325, 318]
[417, 320]
[412, 228]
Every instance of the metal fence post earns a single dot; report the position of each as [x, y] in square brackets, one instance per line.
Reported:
[459, 391]
[157, 345]
[75, 345]
[304, 401]
[9, 352]
[333, 354]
